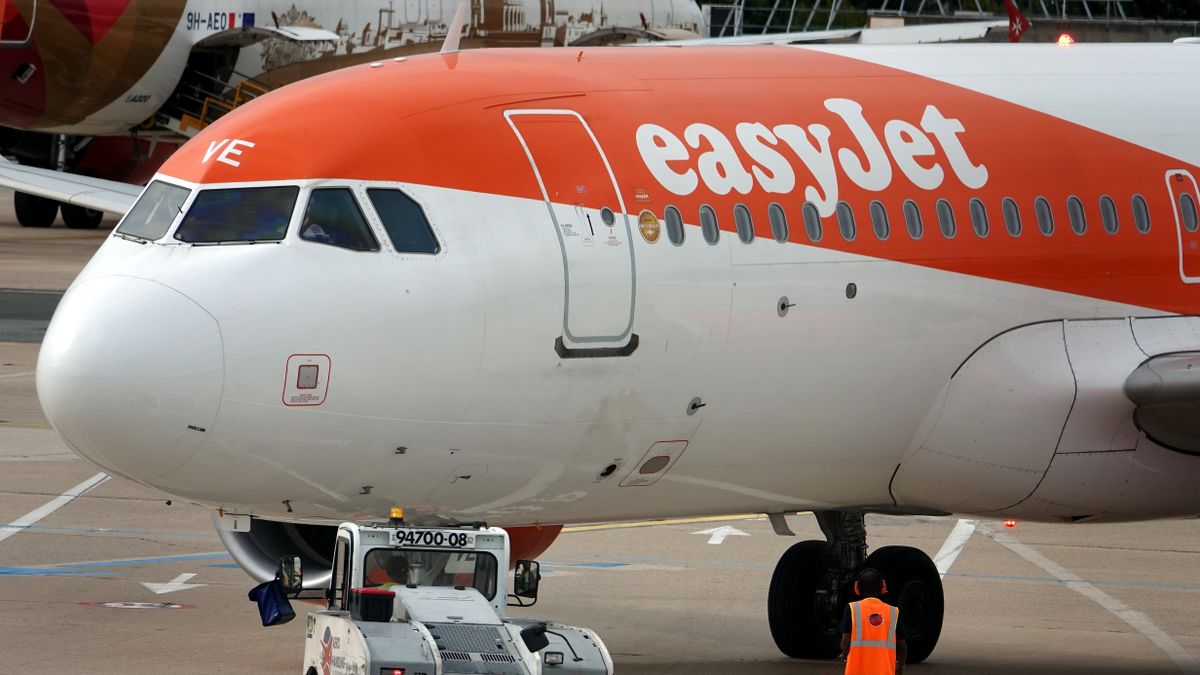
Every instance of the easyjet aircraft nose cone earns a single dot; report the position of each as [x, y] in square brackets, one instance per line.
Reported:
[131, 373]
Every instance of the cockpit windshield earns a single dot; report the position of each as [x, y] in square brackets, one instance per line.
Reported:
[155, 210]
[404, 567]
[238, 215]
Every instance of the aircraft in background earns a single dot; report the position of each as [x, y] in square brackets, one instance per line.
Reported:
[110, 88]
[537, 287]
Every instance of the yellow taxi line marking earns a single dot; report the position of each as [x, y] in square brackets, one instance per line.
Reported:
[654, 523]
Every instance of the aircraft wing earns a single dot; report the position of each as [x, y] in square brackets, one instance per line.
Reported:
[69, 188]
[242, 37]
[929, 33]
[916, 34]
[757, 39]
[1166, 391]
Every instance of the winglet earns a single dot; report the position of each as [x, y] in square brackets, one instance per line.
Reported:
[455, 29]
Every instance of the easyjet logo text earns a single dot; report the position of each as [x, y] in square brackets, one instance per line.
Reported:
[783, 155]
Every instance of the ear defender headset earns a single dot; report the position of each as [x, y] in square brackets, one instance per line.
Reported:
[882, 584]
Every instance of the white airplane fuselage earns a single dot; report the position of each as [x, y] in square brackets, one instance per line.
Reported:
[522, 375]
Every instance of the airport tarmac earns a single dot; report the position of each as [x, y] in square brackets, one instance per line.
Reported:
[116, 580]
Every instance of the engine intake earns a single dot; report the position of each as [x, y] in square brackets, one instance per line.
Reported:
[259, 550]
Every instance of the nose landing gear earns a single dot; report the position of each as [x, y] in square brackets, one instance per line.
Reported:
[813, 581]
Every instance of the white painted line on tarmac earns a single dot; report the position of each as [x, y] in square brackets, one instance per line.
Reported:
[1183, 659]
[179, 583]
[954, 545]
[20, 524]
[13, 376]
[718, 535]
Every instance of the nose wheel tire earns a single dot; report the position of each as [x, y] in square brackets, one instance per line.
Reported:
[80, 218]
[802, 606]
[34, 211]
[914, 586]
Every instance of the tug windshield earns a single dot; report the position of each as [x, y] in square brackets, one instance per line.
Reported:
[238, 215]
[386, 566]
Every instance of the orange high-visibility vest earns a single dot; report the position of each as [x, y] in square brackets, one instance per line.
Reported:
[872, 638]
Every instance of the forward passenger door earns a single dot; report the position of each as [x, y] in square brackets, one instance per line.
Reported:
[588, 214]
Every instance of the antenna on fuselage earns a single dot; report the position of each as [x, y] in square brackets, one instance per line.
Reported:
[455, 29]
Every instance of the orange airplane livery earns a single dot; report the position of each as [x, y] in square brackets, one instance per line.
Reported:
[542, 287]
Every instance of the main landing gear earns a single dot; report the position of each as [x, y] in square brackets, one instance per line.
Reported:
[35, 211]
[813, 582]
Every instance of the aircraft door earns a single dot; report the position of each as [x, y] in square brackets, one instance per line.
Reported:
[16, 22]
[1185, 201]
[593, 230]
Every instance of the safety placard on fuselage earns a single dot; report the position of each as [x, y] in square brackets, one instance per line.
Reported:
[435, 538]
[306, 379]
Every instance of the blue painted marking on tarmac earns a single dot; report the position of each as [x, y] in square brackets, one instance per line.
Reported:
[82, 568]
[226, 566]
[144, 561]
[596, 565]
[742, 564]
[41, 572]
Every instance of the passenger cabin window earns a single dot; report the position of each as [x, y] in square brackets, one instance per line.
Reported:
[945, 216]
[404, 220]
[155, 210]
[1076, 215]
[674, 225]
[879, 220]
[744, 223]
[779, 224]
[1012, 216]
[1141, 214]
[1108, 215]
[845, 218]
[812, 221]
[238, 215]
[979, 219]
[333, 217]
[708, 224]
[912, 220]
[1187, 212]
[1045, 217]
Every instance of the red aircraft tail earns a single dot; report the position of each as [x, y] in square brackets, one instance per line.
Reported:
[1017, 23]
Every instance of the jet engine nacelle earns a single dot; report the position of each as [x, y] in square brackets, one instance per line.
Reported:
[1037, 423]
[259, 550]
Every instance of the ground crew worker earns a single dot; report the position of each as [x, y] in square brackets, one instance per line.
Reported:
[872, 637]
[393, 571]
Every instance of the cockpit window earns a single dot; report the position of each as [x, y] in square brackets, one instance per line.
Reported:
[333, 217]
[238, 214]
[404, 221]
[152, 215]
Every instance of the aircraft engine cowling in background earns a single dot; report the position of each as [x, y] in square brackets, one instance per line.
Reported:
[527, 543]
[259, 550]
[1037, 423]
